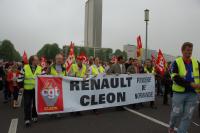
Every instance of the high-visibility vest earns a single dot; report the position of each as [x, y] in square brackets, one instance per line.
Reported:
[147, 71]
[29, 77]
[95, 70]
[55, 73]
[182, 72]
[101, 69]
[79, 73]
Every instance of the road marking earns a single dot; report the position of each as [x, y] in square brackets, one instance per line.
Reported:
[13, 126]
[196, 124]
[19, 100]
[149, 118]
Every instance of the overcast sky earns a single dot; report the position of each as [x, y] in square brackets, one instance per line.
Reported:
[29, 24]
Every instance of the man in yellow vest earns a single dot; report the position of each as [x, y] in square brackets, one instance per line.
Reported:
[58, 69]
[96, 69]
[149, 69]
[78, 70]
[186, 86]
[31, 70]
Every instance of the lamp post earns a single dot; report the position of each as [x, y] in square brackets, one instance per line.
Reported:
[146, 19]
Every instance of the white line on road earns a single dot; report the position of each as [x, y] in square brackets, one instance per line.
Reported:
[196, 124]
[149, 118]
[13, 126]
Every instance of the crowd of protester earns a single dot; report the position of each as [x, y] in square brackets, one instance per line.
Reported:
[10, 82]
[12, 75]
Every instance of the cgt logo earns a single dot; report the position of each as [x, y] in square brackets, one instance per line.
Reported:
[50, 92]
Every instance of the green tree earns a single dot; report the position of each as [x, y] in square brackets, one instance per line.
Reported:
[118, 52]
[125, 55]
[108, 54]
[65, 50]
[8, 51]
[49, 51]
[90, 52]
[83, 50]
[100, 54]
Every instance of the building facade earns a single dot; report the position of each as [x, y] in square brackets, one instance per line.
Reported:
[93, 23]
[131, 52]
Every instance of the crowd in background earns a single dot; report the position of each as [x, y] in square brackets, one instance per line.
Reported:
[12, 75]
[10, 82]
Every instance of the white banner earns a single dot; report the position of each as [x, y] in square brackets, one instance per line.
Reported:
[70, 94]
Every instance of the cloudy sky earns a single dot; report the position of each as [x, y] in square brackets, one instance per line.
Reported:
[29, 24]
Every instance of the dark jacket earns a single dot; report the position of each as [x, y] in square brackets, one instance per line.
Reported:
[115, 69]
[2, 77]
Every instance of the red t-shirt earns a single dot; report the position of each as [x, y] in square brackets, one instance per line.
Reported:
[12, 79]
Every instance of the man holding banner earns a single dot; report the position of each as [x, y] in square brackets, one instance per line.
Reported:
[118, 68]
[96, 70]
[186, 85]
[58, 69]
[78, 70]
[31, 71]
[149, 68]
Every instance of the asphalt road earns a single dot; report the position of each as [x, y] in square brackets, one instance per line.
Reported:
[108, 121]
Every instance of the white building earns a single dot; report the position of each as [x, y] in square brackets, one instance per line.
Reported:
[93, 23]
[131, 52]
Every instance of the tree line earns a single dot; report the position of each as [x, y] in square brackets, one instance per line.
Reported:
[9, 53]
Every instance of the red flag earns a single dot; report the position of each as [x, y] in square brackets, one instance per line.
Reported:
[161, 63]
[114, 59]
[43, 63]
[139, 47]
[70, 58]
[25, 58]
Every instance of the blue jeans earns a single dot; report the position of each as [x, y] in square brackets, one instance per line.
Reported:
[183, 106]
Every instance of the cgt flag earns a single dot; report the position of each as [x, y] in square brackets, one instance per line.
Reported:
[70, 57]
[139, 47]
[161, 63]
[50, 95]
[25, 58]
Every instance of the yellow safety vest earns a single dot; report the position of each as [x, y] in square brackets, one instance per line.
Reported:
[101, 69]
[183, 72]
[55, 73]
[79, 73]
[95, 70]
[29, 77]
[147, 71]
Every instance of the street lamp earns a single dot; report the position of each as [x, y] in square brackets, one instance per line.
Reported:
[146, 19]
